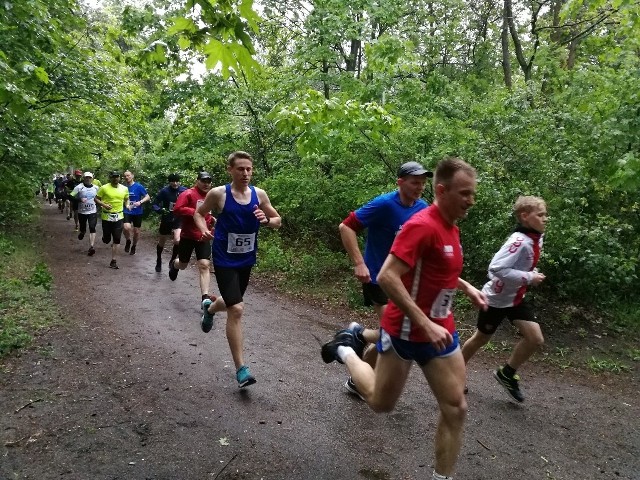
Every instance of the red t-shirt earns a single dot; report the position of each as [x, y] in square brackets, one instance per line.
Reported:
[430, 246]
[185, 206]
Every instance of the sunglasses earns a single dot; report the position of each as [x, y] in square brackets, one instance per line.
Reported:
[205, 180]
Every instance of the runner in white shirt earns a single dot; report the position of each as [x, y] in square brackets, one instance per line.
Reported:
[85, 193]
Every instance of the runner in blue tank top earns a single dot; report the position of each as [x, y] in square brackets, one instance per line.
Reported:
[242, 209]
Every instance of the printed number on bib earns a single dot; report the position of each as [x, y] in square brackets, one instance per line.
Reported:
[441, 307]
[112, 217]
[241, 242]
[86, 207]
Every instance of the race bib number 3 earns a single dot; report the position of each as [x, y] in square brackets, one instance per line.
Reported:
[112, 217]
[241, 242]
[441, 307]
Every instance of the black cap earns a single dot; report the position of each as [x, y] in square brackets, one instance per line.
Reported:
[203, 175]
[173, 177]
[114, 174]
[413, 168]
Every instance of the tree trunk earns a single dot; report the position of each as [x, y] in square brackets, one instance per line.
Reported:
[506, 60]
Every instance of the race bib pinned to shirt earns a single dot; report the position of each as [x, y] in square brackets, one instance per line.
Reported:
[241, 242]
[441, 307]
[113, 217]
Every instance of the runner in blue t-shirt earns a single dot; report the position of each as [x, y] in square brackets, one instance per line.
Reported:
[383, 218]
[133, 212]
[243, 209]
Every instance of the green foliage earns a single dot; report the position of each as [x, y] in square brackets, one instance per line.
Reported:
[41, 277]
[600, 365]
[25, 304]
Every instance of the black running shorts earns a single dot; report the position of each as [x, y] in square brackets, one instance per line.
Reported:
[490, 320]
[232, 283]
[373, 295]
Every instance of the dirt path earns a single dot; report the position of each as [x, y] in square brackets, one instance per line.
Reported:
[132, 389]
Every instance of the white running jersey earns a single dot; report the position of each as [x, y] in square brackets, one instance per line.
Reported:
[512, 268]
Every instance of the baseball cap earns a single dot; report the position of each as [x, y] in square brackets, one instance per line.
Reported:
[114, 174]
[88, 174]
[203, 175]
[78, 172]
[413, 168]
[173, 177]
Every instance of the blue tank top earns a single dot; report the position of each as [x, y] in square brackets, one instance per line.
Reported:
[235, 239]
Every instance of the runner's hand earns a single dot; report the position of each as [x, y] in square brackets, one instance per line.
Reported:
[206, 235]
[438, 336]
[362, 273]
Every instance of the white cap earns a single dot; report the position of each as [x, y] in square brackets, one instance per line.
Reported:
[88, 174]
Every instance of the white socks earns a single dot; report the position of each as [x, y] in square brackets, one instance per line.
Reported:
[343, 352]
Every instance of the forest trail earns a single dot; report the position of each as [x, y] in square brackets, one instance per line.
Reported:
[130, 388]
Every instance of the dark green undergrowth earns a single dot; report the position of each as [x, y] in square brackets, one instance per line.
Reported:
[26, 305]
[581, 337]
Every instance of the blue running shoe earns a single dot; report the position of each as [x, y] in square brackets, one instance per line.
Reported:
[244, 377]
[206, 322]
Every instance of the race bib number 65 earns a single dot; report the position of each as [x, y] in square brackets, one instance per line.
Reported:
[241, 242]
[441, 307]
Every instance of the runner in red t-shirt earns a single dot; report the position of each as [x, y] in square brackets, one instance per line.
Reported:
[420, 276]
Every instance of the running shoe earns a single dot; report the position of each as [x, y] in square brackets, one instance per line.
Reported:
[158, 265]
[80, 235]
[345, 338]
[351, 388]
[92, 251]
[68, 217]
[244, 377]
[206, 322]
[127, 246]
[113, 265]
[510, 384]
[358, 331]
[173, 272]
[133, 250]
[76, 229]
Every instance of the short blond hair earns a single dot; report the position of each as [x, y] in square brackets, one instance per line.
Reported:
[526, 204]
[231, 159]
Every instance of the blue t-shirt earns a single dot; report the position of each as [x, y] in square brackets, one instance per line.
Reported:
[136, 193]
[235, 238]
[383, 218]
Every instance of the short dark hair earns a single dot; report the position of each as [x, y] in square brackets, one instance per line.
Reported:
[447, 168]
[231, 159]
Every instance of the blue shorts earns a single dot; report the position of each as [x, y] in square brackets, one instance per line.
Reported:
[421, 352]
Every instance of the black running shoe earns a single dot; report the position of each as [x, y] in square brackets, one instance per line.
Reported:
[159, 266]
[173, 272]
[80, 235]
[133, 250]
[92, 251]
[345, 338]
[127, 246]
[358, 330]
[113, 265]
[351, 388]
[509, 384]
